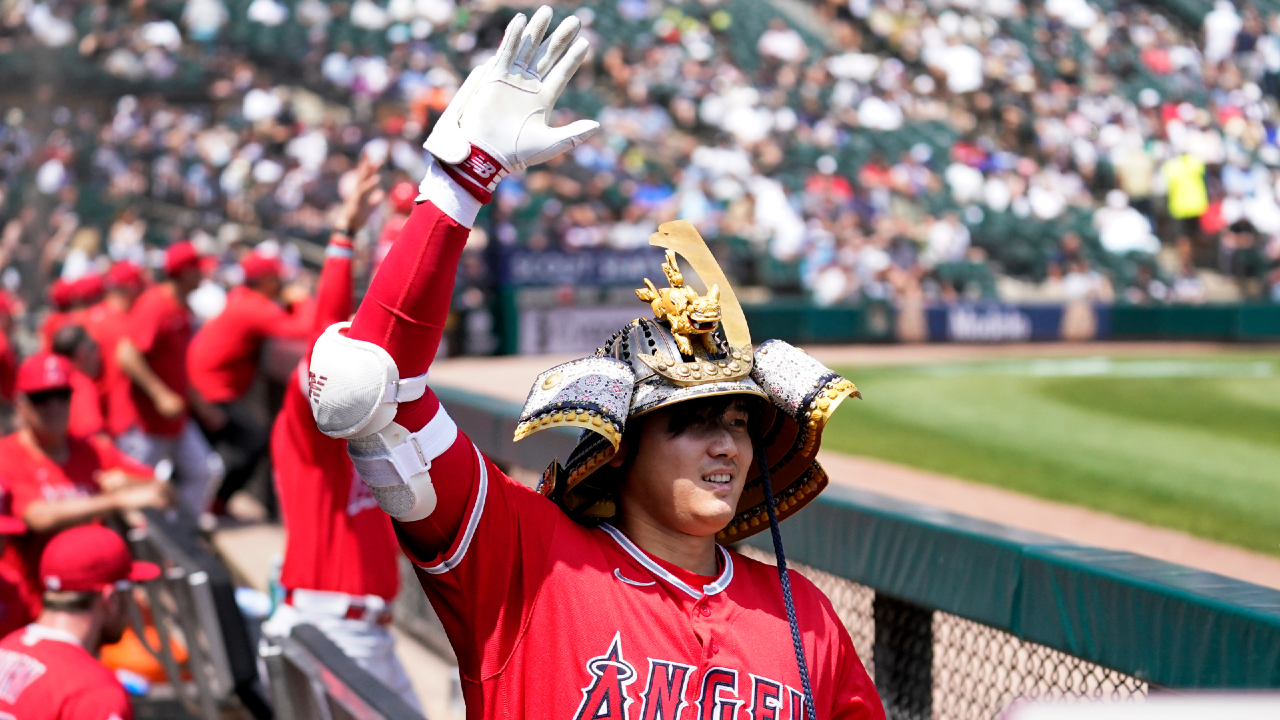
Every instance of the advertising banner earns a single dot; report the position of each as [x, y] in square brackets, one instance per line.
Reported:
[998, 322]
[522, 268]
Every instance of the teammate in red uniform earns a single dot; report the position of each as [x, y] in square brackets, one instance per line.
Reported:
[340, 570]
[47, 669]
[55, 480]
[223, 363]
[153, 355]
[107, 322]
[73, 343]
[606, 595]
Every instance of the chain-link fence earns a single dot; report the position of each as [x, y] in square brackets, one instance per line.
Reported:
[932, 664]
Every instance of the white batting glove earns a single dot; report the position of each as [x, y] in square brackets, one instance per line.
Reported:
[497, 123]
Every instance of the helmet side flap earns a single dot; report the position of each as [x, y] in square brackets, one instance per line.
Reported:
[592, 394]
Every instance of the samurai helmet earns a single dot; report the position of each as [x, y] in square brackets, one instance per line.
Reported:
[694, 346]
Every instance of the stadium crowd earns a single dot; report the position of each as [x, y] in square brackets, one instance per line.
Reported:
[918, 149]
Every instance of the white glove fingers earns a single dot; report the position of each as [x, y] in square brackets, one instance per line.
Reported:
[558, 76]
[532, 36]
[557, 140]
[510, 43]
[550, 52]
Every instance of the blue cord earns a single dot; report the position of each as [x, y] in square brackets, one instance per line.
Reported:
[786, 583]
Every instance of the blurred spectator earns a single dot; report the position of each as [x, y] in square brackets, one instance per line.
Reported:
[1122, 229]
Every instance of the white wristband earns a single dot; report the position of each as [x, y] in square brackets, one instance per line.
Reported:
[445, 193]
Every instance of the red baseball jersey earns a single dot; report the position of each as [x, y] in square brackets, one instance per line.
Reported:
[338, 539]
[106, 323]
[552, 619]
[45, 674]
[86, 412]
[27, 474]
[160, 326]
[224, 353]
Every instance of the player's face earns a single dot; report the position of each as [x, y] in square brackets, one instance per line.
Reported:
[46, 413]
[689, 481]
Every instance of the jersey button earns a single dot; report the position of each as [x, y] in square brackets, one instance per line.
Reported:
[705, 610]
[714, 647]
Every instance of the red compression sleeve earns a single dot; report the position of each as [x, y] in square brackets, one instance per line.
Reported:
[333, 294]
[408, 302]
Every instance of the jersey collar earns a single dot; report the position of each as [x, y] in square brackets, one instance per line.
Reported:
[640, 556]
[34, 633]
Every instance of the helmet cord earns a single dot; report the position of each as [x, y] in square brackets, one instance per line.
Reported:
[786, 583]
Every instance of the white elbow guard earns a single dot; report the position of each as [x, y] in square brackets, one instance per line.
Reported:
[395, 464]
[354, 386]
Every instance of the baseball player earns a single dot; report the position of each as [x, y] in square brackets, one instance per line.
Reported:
[609, 592]
[48, 669]
[108, 322]
[223, 363]
[55, 480]
[74, 343]
[339, 570]
[153, 357]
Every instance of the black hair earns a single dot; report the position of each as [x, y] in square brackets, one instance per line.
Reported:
[701, 412]
[68, 339]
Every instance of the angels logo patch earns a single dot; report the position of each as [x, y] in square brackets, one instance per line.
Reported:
[719, 694]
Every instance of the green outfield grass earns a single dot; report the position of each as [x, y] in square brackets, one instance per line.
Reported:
[1186, 443]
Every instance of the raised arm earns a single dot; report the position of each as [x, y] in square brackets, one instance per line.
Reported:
[368, 380]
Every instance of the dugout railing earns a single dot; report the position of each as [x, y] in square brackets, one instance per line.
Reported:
[192, 606]
[311, 679]
[957, 618]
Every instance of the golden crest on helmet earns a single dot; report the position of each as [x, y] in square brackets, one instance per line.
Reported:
[688, 313]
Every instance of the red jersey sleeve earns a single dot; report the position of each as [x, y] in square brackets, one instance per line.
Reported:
[405, 312]
[145, 321]
[280, 323]
[110, 458]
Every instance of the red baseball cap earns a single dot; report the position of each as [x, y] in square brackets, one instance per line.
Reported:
[89, 558]
[402, 197]
[180, 257]
[125, 275]
[60, 294]
[258, 265]
[42, 372]
[87, 289]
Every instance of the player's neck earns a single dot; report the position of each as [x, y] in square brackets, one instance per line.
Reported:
[690, 552]
[82, 625]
